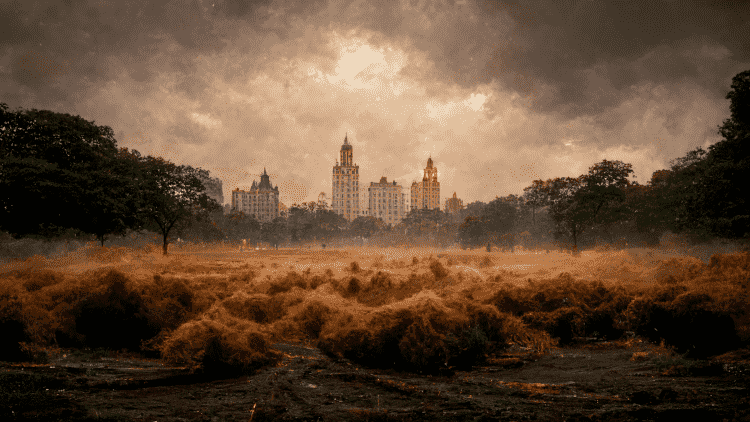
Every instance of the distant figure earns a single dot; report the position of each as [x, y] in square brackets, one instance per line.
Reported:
[489, 247]
[324, 246]
[244, 245]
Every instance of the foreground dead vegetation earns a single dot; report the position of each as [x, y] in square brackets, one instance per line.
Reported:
[422, 312]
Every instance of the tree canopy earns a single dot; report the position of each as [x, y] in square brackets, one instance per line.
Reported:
[56, 174]
[172, 196]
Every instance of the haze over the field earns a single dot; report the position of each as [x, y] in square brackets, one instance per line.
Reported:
[499, 94]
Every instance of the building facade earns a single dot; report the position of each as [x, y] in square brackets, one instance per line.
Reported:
[453, 205]
[345, 184]
[262, 201]
[386, 201]
[426, 194]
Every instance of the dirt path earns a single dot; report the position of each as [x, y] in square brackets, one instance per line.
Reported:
[592, 382]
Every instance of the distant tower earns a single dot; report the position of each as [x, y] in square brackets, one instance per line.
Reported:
[426, 194]
[345, 184]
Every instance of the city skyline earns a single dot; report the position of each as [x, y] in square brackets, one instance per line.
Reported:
[499, 94]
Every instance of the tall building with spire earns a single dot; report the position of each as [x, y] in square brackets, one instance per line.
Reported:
[426, 194]
[262, 201]
[345, 184]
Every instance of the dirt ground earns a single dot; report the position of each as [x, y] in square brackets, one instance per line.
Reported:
[629, 379]
[588, 381]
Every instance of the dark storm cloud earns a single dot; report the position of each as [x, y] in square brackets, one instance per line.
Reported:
[632, 41]
[76, 38]
[533, 44]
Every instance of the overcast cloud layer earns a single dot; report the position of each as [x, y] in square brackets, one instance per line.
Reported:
[499, 94]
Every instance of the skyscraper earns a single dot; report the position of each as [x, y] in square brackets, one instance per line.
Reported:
[345, 181]
[386, 201]
[426, 194]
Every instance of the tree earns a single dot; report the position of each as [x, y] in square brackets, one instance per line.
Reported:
[172, 196]
[471, 231]
[110, 197]
[366, 226]
[55, 174]
[722, 195]
[300, 221]
[595, 199]
[274, 231]
[499, 218]
[536, 197]
[571, 216]
[326, 224]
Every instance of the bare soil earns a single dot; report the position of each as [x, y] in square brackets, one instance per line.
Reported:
[625, 380]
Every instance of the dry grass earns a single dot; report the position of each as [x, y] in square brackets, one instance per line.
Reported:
[417, 309]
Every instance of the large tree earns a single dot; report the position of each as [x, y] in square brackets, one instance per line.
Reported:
[172, 196]
[56, 174]
[723, 196]
[110, 198]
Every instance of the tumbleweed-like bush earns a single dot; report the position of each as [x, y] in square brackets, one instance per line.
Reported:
[218, 348]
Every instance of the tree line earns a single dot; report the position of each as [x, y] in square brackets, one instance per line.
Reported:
[60, 173]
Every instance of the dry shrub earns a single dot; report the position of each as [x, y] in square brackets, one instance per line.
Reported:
[259, 308]
[698, 329]
[730, 262]
[381, 280]
[516, 331]
[414, 261]
[486, 261]
[36, 280]
[313, 317]
[563, 323]
[317, 281]
[169, 302]
[689, 323]
[354, 267]
[603, 322]
[513, 301]
[282, 285]
[218, 349]
[245, 276]
[353, 286]
[113, 317]
[11, 327]
[438, 270]
[427, 336]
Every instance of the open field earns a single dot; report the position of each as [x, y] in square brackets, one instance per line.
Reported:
[212, 333]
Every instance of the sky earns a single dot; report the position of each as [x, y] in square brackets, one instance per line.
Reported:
[497, 93]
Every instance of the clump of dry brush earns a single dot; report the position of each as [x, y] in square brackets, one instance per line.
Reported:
[225, 324]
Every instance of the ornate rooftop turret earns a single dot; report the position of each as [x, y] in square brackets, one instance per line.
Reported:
[346, 152]
[265, 181]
